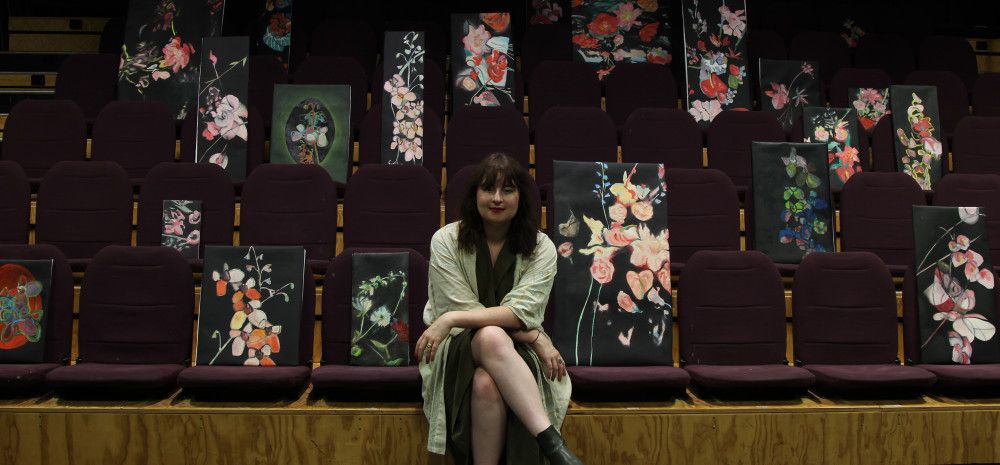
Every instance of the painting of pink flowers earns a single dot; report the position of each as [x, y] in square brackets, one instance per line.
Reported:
[608, 32]
[915, 121]
[182, 226]
[380, 310]
[161, 53]
[613, 292]
[715, 57]
[250, 312]
[403, 101]
[547, 11]
[954, 282]
[787, 86]
[483, 60]
[837, 128]
[223, 86]
[870, 104]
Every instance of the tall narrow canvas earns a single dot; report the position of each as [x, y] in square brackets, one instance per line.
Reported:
[838, 129]
[160, 56]
[403, 101]
[24, 305]
[787, 86]
[182, 226]
[251, 306]
[223, 87]
[870, 104]
[482, 60]
[380, 312]
[310, 125]
[606, 33]
[715, 51]
[916, 123]
[954, 278]
[792, 216]
[274, 36]
[612, 291]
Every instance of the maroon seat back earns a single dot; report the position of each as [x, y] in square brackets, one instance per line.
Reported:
[340, 70]
[972, 147]
[187, 181]
[828, 48]
[889, 52]
[40, 133]
[986, 95]
[729, 138]
[15, 203]
[949, 53]
[433, 90]
[337, 302]
[704, 212]
[545, 42]
[732, 310]
[561, 84]
[83, 207]
[974, 190]
[136, 306]
[953, 98]
[876, 215]
[638, 85]
[432, 143]
[846, 78]
[392, 206]
[90, 80]
[475, 132]
[662, 135]
[290, 205]
[265, 72]
[345, 38]
[832, 326]
[255, 138]
[573, 134]
[59, 322]
[458, 185]
[134, 134]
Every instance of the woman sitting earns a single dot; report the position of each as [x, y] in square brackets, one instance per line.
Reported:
[484, 350]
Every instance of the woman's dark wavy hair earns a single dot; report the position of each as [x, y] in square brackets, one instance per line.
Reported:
[522, 235]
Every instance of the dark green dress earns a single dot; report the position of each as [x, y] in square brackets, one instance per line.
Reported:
[494, 282]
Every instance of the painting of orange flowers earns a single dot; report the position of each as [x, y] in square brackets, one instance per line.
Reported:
[606, 33]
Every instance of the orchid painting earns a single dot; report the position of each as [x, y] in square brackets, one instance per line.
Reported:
[838, 129]
[24, 305]
[403, 102]
[182, 226]
[250, 311]
[613, 290]
[954, 280]
[159, 59]
[715, 52]
[482, 60]
[919, 150]
[787, 86]
[608, 32]
[223, 116]
[380, 322]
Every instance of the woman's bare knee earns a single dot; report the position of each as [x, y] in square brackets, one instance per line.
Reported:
[484, 389]
[490, 340]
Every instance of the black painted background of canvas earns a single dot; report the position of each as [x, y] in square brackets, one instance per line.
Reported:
[390, 294]
[231, 76]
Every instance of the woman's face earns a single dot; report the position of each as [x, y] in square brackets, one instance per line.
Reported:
[497, 204]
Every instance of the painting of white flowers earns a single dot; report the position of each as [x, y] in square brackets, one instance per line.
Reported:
[612, 292]
[954, 276]
[380, 318]
[182, 226]
[715, 54]
[403, 101]
[223, 86]
[310, 125]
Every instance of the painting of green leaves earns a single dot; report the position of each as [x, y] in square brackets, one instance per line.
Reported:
[380, 323]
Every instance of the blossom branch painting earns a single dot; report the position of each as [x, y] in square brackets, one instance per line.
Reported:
[622, 315]
[223, 86]
[786, 87]
[871, 105]
[182, 226]
[955, 282]
[380, 322]
[838, 129]
[608, 32]
[715, 57]
[250, 311]
[159, 60]
[918, 146]
[24, 305]
[482, 60]
[403, 102]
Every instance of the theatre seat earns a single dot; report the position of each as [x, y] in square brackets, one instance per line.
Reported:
[136, 310]
[732, 326]
[336, 377]
[848, 339]
[376, 215]
[876, 216]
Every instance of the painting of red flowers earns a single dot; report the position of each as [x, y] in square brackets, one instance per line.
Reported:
[547, 11]
[250, 311]
[223, 87]
[161, 53]
[24, 305]
[274, 36]
[837, 128]
[380, 310]
[606, 33]
[483, 60]
[954, 283]
[612, 292]
[182, 222]
[714, 57]
[916, 123]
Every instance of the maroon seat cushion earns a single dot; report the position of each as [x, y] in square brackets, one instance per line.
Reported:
[23, 377]
[751, 377]
[965, 376]
[855, 378]
[390, 381]
[246, 380]
[85, 378]
[631, 383]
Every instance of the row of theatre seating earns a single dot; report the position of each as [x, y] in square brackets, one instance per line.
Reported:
[137, 309]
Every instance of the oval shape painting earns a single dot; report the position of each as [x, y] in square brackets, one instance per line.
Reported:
[20, 307]
[308, 132]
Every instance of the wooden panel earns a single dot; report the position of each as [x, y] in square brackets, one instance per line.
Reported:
[29, 42]
[56, 24]
[25, 80]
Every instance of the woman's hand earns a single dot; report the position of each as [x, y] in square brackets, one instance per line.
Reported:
[429, 341]
[555, 367]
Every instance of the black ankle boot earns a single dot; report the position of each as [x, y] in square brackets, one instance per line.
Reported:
[555, 449]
